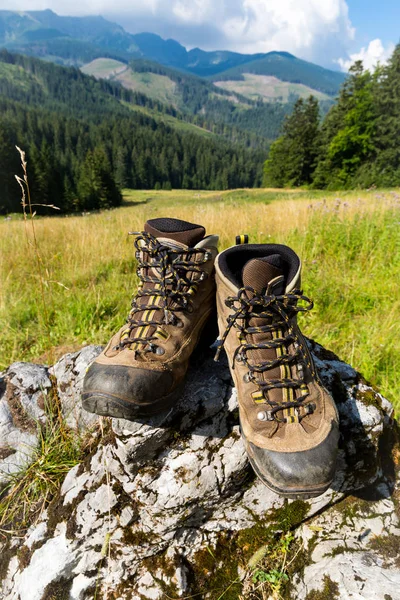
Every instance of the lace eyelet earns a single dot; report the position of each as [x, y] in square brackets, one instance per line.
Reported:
[247, 377]
[159, 351]
[264, 415]
[179, 324]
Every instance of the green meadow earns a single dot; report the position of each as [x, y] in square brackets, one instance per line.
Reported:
[72, 283]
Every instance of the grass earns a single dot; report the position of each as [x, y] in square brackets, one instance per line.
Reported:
[348, 244]
[269, 88]
[156, 86]
[106, 68]
[29, 491]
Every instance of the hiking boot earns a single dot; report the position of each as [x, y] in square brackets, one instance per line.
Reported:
[289, 421]
[142, 369]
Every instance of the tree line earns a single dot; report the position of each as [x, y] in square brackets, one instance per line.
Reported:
[83, 145]
[356, 146]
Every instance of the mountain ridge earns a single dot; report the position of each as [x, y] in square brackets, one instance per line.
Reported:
[83, 39]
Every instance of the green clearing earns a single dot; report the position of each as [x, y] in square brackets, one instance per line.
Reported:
[103, 67]
[269, 88]
[158, 87]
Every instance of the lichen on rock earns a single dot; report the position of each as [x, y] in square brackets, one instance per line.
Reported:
[169, 506]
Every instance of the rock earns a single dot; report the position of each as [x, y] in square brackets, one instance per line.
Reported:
[69, 372]
[164, 504]
[24, 390]
[354, 548]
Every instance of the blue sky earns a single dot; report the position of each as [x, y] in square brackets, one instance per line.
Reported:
[374, 19]
[333, 33]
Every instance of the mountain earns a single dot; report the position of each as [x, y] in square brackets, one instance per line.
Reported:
[253, 122]
[86, 139]
[286, 67]
[79, 40]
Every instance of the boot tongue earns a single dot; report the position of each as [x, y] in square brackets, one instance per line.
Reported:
[176, 230]
[266, 275]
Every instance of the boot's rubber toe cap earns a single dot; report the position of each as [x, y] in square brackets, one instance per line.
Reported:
[297, 474]
[126, 392]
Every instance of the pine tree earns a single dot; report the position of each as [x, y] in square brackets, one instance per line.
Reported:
[292, 157]
[96, 186]
[348, 132]
[10, 197]
[386, 167]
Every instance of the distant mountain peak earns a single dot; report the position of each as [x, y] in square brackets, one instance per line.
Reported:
[93, 37]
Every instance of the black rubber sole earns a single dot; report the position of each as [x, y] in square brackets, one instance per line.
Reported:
[106, 405]
[289, 492]
[292, 494]
[110, 406]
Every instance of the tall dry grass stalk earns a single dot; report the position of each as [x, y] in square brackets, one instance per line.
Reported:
[29, 214]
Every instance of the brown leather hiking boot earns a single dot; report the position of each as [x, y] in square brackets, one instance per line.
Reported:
[142, 369]
[289, 421]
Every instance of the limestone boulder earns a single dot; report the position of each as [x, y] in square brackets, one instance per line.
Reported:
[168, 507]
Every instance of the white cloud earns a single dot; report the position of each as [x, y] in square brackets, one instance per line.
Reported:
[373, 54]
[317, 30]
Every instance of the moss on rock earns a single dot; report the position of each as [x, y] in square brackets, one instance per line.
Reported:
[330, 591]
[57, 590]
[6, 555]
[388, 546]
[214, 571]
[291, 514]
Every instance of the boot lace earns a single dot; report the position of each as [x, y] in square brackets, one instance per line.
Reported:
[174, 282]
[278, 311]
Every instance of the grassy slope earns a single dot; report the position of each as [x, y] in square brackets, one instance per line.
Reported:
[162, 88]
[344, 245]
[288, 68]
[103, 67]
[16, 75]
[159, 87]
[21, 79]
[269, 88]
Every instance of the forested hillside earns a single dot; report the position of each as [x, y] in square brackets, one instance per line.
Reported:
[357, 145]
[85, 141]
[287, 67]
[254, 123]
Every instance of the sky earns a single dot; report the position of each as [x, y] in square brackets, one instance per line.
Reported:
[332, 33]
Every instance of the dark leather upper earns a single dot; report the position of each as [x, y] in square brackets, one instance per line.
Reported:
[140, 386]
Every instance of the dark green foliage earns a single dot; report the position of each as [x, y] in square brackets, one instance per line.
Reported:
[357, 142]
[9, 164]
[348, 132]
[292, 157]
[247, 121]
[386, 167]
[83, 144]
[96, 185]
